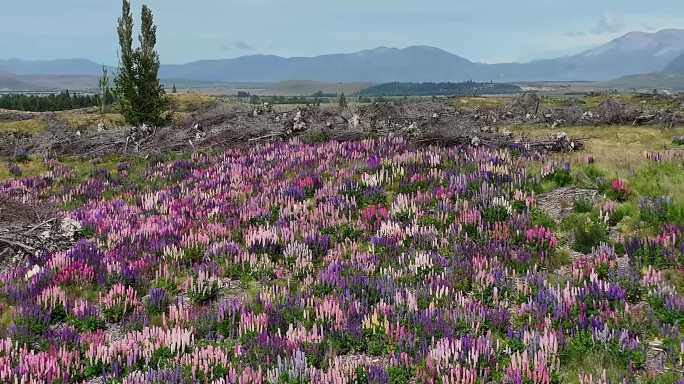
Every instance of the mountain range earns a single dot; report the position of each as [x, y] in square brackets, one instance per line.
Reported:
[631, 54]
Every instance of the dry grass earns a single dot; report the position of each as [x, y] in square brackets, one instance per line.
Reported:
[84, 121]
[479, 103]
[190, 102]
[30, 127]
[619, 150]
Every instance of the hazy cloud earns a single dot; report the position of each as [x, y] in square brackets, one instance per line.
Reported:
[488, 30]
[239, 45]
[608, 24]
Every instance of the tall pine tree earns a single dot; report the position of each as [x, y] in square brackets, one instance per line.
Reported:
[151, 95]
[141, 96]
[125, 79]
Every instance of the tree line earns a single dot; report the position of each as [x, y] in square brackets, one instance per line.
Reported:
[53, 102]
[467, 88]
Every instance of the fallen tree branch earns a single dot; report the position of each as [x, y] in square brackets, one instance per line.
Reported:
[24, 247]
[39, 225]
[265, 136]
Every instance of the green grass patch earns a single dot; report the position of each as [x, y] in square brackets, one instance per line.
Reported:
[660, 179]
[593, 363]
[32, 167]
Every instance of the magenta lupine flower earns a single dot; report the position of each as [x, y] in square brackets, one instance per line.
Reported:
[620, 189]
[374, 214]
[541, 237]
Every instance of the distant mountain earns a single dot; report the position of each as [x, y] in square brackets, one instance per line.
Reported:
[671, 77]
[676, 66]
[9, 82]
[417, 63]
[631, 54]
[63, 67]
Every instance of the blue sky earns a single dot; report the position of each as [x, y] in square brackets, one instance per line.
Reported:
[481, 30]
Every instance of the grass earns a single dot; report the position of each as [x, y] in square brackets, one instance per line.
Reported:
[479, 103]
[30, 127]
[84, 121]
[190, 102]
[182, 106]
[592, 363]
[660, 179]
[619, 150]
[33, 167]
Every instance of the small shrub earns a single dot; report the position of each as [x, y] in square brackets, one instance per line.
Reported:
[561, 177]
[583, 205]
[118, 303]
[399, 375]
[14, 169]
[539, 218]
[588, 232]
[21, 155]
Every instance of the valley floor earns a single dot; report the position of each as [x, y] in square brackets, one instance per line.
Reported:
[373, 261]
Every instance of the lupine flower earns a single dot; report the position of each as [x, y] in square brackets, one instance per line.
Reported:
[619, 189]
[425, 256]
[118, 302]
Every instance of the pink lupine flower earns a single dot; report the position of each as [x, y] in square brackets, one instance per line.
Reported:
[586, 378]
[619, 189]
[541, 237]
[119, 302]
[374, 214]
[52, 297]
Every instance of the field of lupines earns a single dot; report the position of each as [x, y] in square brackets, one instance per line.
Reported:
[359, 262]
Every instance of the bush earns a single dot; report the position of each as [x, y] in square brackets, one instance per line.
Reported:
[21, 155]
[539, 218]
[660, 210]
[590, 176]
[495, 214]
[619, 190]
[14, 170]
[399, 375]
[583, 205]
[588, 232]
[561, 177]
[624, 210]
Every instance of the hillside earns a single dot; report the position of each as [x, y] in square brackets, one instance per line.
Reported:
[11, 82]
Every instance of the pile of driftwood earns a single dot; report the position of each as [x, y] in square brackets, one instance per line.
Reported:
[609, 112]
[28, 230]
[227, 125]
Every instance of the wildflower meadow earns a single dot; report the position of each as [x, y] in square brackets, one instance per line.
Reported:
[373, 261]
